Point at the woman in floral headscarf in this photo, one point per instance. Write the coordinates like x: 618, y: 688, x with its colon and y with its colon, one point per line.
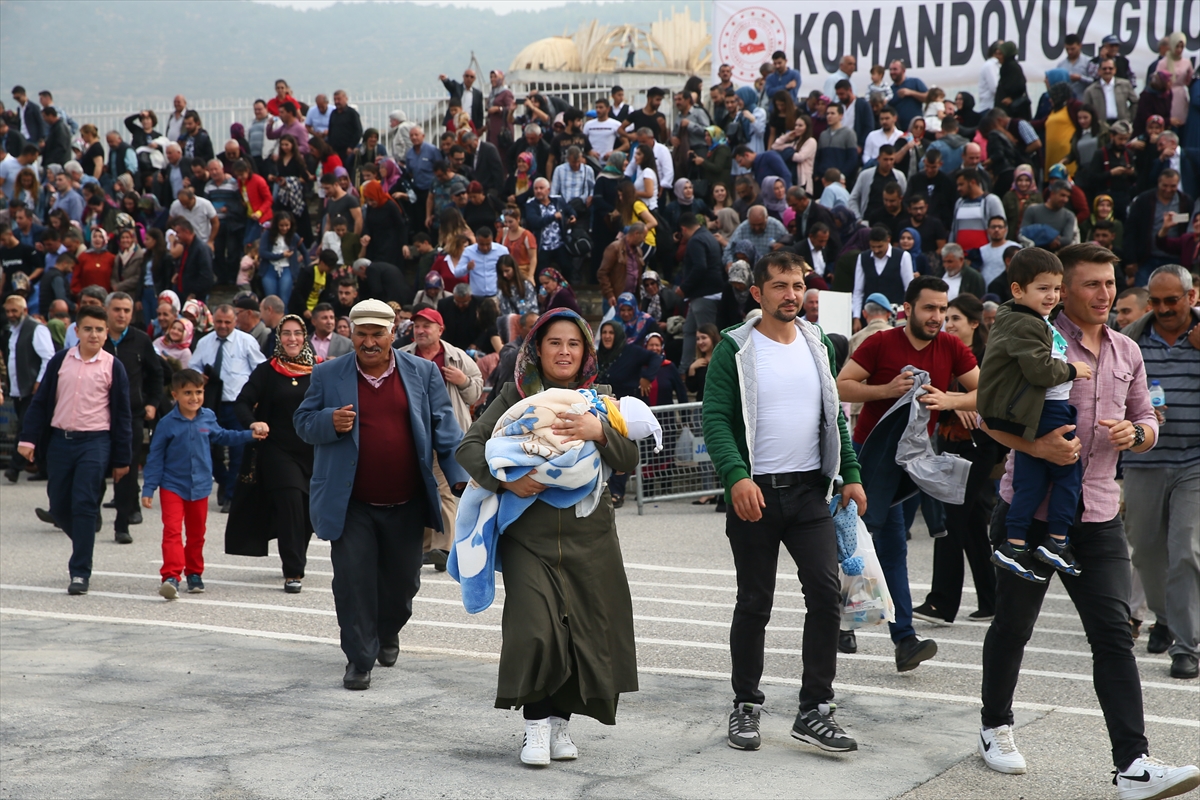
x: 1103, y: 208
x: 271, y: 498
x: 714, y: 166
x: 638, y: 324
x: 176, y: 342
x: 1024, y: 193
x: 555, y: 292
x: 568, y: 645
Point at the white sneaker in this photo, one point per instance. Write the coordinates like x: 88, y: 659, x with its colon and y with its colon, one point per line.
x: 1149, y: 779
x: 535, y: 750
x: 999, y: 750
x: 561, y: 746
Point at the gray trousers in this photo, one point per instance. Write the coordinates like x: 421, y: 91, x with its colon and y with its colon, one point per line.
x: 1162, y: 514
x: 700, y: 312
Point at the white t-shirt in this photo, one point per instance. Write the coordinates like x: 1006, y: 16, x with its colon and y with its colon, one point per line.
x: 602, y: 135
x: 787, y: 434
x: 877, y: 139
x: 1058, y: 351
x: 201, y: 215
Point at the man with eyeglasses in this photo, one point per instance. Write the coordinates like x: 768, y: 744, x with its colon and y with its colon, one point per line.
x: 1162, y: 486
x: 1113, y: 97
x: 471, y: 98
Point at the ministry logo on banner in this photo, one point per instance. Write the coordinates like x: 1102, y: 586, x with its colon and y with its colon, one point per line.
x: 747, y: 40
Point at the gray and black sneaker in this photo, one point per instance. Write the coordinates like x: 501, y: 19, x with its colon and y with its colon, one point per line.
x: 818, y: 727
x: 1058, y: 555
x: 1018, y: 562
x: 743, y: 727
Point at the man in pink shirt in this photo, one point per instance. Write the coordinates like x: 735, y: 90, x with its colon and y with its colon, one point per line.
x: 289, y: 116
x: 1114, y: 414
x: 81, y: 415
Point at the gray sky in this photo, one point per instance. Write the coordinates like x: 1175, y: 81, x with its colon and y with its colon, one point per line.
x: 498, y: 6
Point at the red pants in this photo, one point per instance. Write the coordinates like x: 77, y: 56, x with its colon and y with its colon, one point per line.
x: 175, y: 510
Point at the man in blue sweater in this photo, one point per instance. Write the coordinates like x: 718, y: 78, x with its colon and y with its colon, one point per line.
x: 762, y: 165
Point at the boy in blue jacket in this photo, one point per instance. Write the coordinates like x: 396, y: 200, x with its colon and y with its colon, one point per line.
x: 180, y: 462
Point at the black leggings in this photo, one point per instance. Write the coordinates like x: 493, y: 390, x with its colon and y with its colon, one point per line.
x: 542, y: 709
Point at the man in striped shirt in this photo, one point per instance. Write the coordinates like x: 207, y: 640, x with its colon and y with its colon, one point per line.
x: 1162, y: 486
x: 972, y: 211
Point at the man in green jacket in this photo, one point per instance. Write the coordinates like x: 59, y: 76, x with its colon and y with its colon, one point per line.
x: 777, y: 438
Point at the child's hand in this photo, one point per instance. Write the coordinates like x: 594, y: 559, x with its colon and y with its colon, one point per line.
x: 147, y: 502
x: 259, y: 429
x: 1082, y: 370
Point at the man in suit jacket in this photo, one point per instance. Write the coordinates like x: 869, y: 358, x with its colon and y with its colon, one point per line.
x: 484, y: 159
x: 858, y: 117
x: 29, y: 117
x: 1124, y: 105
x: 809, y: 213
x: 57, y: 149
x: 194, y: 271
x: 375, y: 420
x: 818, y: 250
x: 468, y: 94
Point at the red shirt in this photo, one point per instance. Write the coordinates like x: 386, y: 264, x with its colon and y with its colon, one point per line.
x: 387, y: 472
x: 887, y: 353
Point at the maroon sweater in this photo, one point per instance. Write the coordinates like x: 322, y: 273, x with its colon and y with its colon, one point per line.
x: 387, y: 471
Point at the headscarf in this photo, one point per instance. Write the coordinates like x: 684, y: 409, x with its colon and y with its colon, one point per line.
x: 635, y: 328
x: 916, y: 248
x: 524, y: 181
x: 966, y: 113
x: 858, y: 241
x: 1156, y: 118
x: 1060, y: 94
x: 718, y: 137
x: 615, y: 165
x: 1172, y: 40
x: 237, y: 132
x: 1010, y: 51
x: 768, y: 195
x: 749, y: 99
x: 653, y: 302
x: 1059, y: 173
x: 433, y: 280
x: 165, y: 347
x: 303, y: 362
x: 169, y: 296
x: 1026, y: 170
x: 1096, y: 208
x: 201, y: 315
x: 528, y: 373
x: 554, y: 275
x: 374, y: 193
x: 498, y: 88
x: 103, y: 233
x: 746, y: 248
x: 389, y: 172
x: 1057, y: 76
x: 739, y: 272
x: 607, y: 356
x: 727, y: 221
x: 678, y: 189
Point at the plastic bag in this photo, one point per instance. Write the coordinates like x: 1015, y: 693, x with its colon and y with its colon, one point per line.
x: 865, y: 598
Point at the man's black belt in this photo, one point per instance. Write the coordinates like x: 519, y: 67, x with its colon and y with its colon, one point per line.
x: 783, y: 480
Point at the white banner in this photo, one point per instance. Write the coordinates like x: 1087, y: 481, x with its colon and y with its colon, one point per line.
x: 942, y: 42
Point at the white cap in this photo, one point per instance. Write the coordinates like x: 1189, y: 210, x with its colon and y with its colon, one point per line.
x: 372, y: 312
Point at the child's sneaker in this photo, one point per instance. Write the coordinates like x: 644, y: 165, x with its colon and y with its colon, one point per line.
x: 169, y: 588
x: 195, y: 585
x: 1058, y: 555
x: 1018, y: 562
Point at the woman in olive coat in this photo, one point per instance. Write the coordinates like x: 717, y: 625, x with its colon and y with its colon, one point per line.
x: 568, y: 618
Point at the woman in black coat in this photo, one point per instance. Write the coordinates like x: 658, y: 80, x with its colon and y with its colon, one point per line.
x: 271, y: 499
x: 385, y: 228
x: 628, y: 370
x: 1011, y: 91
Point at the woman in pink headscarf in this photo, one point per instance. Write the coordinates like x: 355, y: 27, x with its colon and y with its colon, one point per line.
x: 1180, y: 71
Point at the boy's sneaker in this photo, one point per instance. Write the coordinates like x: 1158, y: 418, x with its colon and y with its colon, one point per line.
x: 1058, y: 555
x: 1019, y: 563
x: 999, y: 750
x: 169, y: 588
x: 1149, y: 779
x: 195, y: 585
x: 743, y: 727
x: 817, y: 727
x: 561, y: 746
x: 535, y: 750
x: 981, y: 616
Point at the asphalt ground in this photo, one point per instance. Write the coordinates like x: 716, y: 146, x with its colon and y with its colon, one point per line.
x: 237, y: 692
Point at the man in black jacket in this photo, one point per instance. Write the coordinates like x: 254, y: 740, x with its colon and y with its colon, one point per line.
x: 345, y: 129
x: 379, y: 280
x: 133, y: 348
x: 819, y: 250
x: 467, y: 94
x: 302, y: 301
x: 936, y: 187
x: 194, y: 272
x: 1145, y: 220
x: 58, y: 139
x: 195, y: 141
x: 535, y: 144
x: 808, y: 213
x: 702, y: 280
x: 484, y: 159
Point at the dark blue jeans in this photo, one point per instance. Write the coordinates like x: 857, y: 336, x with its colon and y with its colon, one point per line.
x: 1030, y: 476
x: 226, y: 477
x: 77, y: 464
x: 888, y: 531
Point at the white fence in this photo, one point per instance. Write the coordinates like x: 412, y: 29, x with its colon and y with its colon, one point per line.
x: 425, y: 107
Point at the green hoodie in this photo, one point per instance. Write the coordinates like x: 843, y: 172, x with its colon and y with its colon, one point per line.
x: 730, y: 416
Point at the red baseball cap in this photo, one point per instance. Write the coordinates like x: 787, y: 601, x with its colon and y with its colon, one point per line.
x: 430, y: 314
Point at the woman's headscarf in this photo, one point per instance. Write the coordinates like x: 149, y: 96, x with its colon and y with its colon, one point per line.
x: 1010, y: 51
x: 524, y: 180
x: 1057, y: 76
x: 169, y: 296
x: 200, y: 314
x: 303, y: 362
x: 554, y: 275
x: 916, y: 248
x: 858, y: 241
x: 1172, y: 40
x: 389, y: 174
x: 615, y: 166
x: 746, y: 248
x: 1096, y: 208
x: 1060, y: 93
x: 727, y: 221
x: 185, y: 343
x: 966, y: 113
x: 498, y: 88
x: 237, y: 132
x: 749, y: 97
x: 718, y: 137
x: 635, y: 328
x: 678, y: 188
x: 1026, y: 170
x: 739, y: 272
x: 528, y: 373
x: 374, y: 193
x: 103, y: 233
x: 768, y: 195
x: 607, y: 356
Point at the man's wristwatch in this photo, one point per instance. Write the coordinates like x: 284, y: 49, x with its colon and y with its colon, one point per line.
x: 1139, y: 435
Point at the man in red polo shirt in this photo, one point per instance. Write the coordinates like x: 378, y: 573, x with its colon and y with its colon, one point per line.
x: 876, y: 377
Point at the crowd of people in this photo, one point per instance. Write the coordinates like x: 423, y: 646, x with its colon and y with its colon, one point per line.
x: 323, y: 320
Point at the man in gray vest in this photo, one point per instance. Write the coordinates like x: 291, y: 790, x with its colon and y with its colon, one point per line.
x: 27, y: 348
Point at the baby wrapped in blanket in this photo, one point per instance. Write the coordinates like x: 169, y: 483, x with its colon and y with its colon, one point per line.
x: 572, y: 471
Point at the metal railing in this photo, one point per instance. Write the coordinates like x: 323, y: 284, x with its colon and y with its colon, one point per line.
x: 426, y: 107
x: 683, y: 469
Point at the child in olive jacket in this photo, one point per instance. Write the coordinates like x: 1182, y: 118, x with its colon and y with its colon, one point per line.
x: 1024, y: 384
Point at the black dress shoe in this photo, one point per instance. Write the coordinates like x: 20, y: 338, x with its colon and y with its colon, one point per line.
x: 847, y: 642
x: 436, y: 558
x: 1184, y: 666
x: 389, y: 651
x: 226, y: 506
x: 356, y: 678
x: 110, y: 504
x: 135, y: 518
x: 11, y: 474
x: 912, y: 651
x: 1160, y: 638
x: 123, y: 537
x: 45, y: 516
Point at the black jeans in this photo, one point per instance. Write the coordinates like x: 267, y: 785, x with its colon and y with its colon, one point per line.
x: 966, y: 533
x: 77, y: 464
x: 1101, y: 596
x: 376, y: 574
x: 292, y: 532
x: 127, y: 492
x: 799, y: 518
